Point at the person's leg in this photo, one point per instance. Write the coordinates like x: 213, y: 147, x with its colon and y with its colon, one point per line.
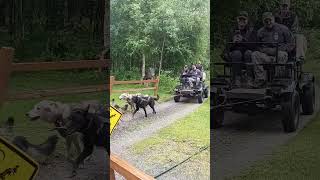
x: 301, y: 46
x: 282, y: 59
x: 236, y: 57
x: 259, y: 58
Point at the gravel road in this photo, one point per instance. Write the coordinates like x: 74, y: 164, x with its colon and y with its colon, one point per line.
x: 244, y: 140
x: 130, y: 131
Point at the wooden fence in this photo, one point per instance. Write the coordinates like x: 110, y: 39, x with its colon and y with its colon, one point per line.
x: 155, y: 88
x: 116, y: 164
x: 61, y: 65
x: 126, y: 170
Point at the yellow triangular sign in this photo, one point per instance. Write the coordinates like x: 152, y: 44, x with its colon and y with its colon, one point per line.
x: 15, y: 164
x: 115, y: 117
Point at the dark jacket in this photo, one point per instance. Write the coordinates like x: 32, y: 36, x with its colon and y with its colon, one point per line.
x: 278, y: 33
x: 248, y: 35
x: 290, y: 20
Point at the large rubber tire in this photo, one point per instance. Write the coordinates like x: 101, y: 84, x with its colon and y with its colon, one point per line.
x: 216, y: 114
x: 205, y: 93
x: 291, y: 112
x: 176, y: 98
x: 200, y: 98
x: 308, y: 100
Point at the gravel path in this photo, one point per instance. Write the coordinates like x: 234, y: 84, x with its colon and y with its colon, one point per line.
x: 58, y: 168
x: 244, y: 140
x: 130, y: 131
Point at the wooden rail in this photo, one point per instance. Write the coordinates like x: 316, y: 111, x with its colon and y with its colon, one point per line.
x: 61, y: 65
x: 6, y: 56
x: 155, y: 88
x: 126, y: 170
x: 57, y: 92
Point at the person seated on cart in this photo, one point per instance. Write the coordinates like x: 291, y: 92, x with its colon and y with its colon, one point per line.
x: 242, y: 37
x: 286, y: 16
x: 184, y: 74
x: 194, y: 75
x: 271, y: 33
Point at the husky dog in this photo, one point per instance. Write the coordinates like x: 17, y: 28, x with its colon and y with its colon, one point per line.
x: 56, y: 113
x: 143, y: 102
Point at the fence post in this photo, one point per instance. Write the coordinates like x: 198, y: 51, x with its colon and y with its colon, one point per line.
x: 112, y: 79
x: 156, y: 86
x: 112, y: 174
x: 6, y: 56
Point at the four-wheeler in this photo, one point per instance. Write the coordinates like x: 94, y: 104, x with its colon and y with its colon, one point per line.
x: 287, y: 91
x: 196, y: 89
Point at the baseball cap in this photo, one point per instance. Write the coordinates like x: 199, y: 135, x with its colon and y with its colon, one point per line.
x: 287, y: 2
x: 267, y: 15
x: 243, y: 14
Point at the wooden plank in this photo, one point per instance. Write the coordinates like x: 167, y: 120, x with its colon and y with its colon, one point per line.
x: 134, y: 82
x: 61, y: 65
x: 6, y: 56
x: 112, y: 175
x: 58, y: 92
x: 133, y: 90
x: 126, y: 170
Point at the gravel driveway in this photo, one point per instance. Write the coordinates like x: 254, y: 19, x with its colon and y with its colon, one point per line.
x: 244, y: 140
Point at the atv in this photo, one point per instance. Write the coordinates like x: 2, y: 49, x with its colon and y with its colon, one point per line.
x: 285, y: 92
x: 191, y: 89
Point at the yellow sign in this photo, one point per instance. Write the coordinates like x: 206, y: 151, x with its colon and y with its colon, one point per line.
x: 15, y: 164
x: 115, y: 117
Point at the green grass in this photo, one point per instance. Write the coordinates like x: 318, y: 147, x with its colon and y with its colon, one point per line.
x: 54, y: 79
x: 300, y: 157
x: 185, y: 136
x: 177, y: 142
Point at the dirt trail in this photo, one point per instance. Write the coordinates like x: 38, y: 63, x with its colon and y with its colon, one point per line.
x: 130, y: 131
x: 244, y: 140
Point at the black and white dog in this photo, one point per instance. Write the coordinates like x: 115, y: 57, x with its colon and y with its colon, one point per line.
x: 143, y: 102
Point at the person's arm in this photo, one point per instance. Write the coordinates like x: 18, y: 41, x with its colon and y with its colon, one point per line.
x: 288, y: 45
x: 295, y: 26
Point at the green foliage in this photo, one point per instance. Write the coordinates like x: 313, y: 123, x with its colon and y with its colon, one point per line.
x: 177, y: 30
x: 223, y: 14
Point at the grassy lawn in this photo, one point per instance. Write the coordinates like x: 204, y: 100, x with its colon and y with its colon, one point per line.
x: 300, y: 157
x: 54, y: 79
x: 185, y: 137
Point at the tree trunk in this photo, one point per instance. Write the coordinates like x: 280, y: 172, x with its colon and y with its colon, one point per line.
x: 161, y: 56
x: 143, y: 69
x: 106, y: 29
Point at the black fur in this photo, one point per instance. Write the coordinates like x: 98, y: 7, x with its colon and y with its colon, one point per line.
x: 143, y: 102
x: 93, y: 127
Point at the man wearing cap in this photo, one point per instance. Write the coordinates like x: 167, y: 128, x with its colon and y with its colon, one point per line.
x: 286, y: 16
x: 271, y: 33
x: 237, y: 52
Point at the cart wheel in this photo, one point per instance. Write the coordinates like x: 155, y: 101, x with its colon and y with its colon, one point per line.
x: 308, y: 100
x: 291, y: 112
x: 217, y: 115
x: 176, y: 98
x: 206, y: 93
x: 200, y: 98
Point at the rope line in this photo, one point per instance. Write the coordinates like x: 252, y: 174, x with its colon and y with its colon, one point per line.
x: 172, y: 167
